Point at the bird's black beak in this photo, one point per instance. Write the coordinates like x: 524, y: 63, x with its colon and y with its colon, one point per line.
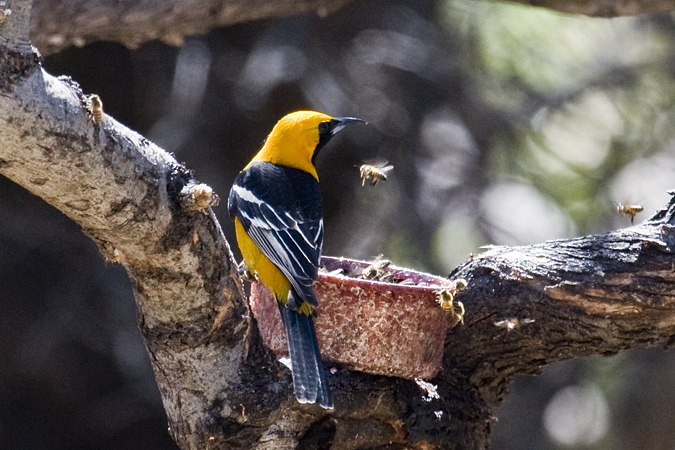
x: 329, y: 129
x: 341, y: 122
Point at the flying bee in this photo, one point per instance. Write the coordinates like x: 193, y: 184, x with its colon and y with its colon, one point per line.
x: 374, y: 171
x: 512, y: 323
x: 96, y: 109
x: 629, y: 210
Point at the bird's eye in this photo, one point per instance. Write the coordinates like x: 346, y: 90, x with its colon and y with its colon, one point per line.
x: 324, y: 127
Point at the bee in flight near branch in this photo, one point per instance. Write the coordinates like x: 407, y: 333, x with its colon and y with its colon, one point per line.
x: 629, y: 210
x: 374, y: 171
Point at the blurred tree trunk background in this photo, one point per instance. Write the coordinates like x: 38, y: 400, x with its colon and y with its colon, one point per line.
x: 506, y: 125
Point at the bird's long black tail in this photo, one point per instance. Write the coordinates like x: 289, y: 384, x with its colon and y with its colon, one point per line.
x: 309, y: 376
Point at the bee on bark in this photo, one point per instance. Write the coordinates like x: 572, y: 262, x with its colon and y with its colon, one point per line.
x: 455, y: 309
x: 374, y: 171
x: 446, y: 299
x: 95, y: 109
x: 4, y: 11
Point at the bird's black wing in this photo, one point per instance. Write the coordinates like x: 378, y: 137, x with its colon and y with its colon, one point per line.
x: 280, y: 209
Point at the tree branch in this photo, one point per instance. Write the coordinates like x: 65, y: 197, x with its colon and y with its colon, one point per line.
x: 530, y: 306
x: 58, y: 24
x: 126, y: 193
x: 63, y: 23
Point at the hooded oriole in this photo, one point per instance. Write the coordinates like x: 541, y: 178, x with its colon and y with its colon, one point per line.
x: 276, y: 205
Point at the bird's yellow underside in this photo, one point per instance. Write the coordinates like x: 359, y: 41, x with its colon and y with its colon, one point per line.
x: 266, y: 271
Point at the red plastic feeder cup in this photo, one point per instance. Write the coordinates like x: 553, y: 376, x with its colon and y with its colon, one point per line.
x: 394, y: 327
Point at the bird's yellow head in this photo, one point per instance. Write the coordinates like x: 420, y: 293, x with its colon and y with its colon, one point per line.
x: 297, y: 138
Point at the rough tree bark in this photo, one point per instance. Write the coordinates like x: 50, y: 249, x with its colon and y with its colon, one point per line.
x: 58, y: 24
x: 525, y: 307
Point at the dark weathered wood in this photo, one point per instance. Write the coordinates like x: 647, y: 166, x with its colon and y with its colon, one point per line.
x: 598, y: 294
x: 58, y: 24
